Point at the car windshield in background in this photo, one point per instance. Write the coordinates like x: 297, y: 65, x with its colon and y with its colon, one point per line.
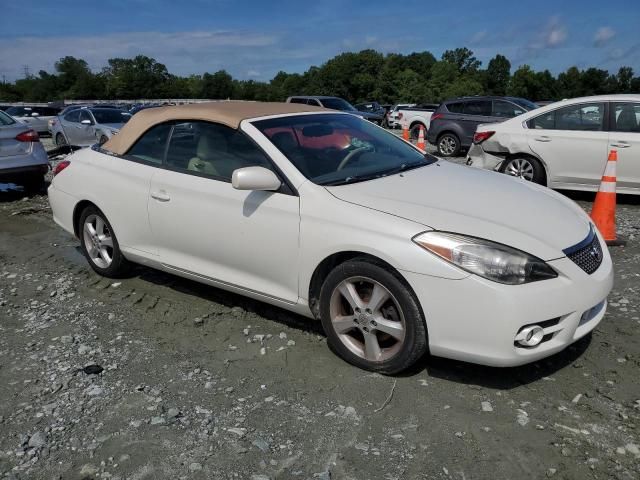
x: 6, y: 119
x: 335, y: 149
x: 110, y: 116
x: 523, y: 102
x: 338, y: 104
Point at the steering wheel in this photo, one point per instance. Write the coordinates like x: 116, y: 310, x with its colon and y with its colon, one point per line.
x: 350, y: 156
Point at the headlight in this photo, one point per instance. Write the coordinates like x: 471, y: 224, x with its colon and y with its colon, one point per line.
x: 490, y: 260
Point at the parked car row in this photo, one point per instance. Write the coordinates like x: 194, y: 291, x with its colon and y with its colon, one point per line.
x: 336, y: 103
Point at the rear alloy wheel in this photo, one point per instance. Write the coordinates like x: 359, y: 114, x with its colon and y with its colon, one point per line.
x: 448, y: 145
x: 371, y: 318
x: 100, y: 245
x: 60, y: 140
x: 526, y: 168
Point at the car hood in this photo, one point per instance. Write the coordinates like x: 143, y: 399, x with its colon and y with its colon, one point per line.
x: 448, y: 197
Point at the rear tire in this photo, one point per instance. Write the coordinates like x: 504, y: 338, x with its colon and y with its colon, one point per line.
x: 100, y: 245
x: 60, y: 140
x: 34, y: 185
x: 448, y: 145
x: 385, y: 331
x: 524, y: 167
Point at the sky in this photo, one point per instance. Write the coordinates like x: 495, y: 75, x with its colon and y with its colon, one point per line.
x: 255, y: 39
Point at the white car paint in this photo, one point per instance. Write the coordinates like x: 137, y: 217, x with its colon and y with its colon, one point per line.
x: 573, y: 159
x: 267, y: 245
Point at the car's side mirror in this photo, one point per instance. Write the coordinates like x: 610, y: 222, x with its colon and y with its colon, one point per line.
x: 86, y: 122
x: 35, y: 114
x: 255, y: 178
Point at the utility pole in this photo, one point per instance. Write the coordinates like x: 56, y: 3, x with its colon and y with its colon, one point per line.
x: 25, y: 68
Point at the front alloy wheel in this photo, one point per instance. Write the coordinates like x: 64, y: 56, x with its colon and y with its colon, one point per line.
x: 448, y: 145
x: 371, y: 317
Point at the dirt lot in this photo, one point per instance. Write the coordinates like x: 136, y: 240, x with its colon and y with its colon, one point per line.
x: 199, y: 383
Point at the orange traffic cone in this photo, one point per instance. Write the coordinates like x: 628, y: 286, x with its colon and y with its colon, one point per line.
x: 603, y: 212
x: 421, y: 145
x: 405, y: 130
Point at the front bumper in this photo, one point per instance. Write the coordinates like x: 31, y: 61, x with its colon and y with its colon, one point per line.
x: 476, y: 320
x: 478, y: 158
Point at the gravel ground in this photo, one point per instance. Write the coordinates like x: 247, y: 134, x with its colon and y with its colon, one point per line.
x: 156, y: 377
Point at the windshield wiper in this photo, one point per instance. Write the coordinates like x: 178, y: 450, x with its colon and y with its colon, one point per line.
x: 385, y: 173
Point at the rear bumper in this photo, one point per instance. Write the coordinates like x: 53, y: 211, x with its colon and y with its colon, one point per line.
x: 34, y: 162
x: 476, y: 320
x: 478, y: 158
x: 62, y: 207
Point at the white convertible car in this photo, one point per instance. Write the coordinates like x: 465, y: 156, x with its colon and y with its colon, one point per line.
x: 327, y: 215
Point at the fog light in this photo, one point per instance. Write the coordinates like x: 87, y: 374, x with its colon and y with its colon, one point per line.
x: 530, y: 336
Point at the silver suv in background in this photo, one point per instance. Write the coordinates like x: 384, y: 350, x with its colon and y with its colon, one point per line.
x: 36, y: 117
x: 336, y: 103
x: 23, y: 159
x: 86, y: 126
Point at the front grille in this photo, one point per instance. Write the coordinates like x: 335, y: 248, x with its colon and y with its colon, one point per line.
x: 587, y: 254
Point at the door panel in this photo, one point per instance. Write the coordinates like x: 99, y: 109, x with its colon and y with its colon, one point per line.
x: 625, y: 139
x: 242, y: 238
x: 475, y: 112
x: 572, y: 143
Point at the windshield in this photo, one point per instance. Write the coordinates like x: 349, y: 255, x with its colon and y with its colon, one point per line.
x: 110, y: 116
x: 337, y: 104
x: 335, y: 149
x: 6, y: 119
x: 523, y: 102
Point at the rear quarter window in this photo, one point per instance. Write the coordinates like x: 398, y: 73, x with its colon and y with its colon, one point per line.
x: 455, y: 107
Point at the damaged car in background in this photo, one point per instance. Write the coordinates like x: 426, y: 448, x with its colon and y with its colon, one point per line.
x: 86, y: 126
x: 319, y: 212
x: 565, y: 145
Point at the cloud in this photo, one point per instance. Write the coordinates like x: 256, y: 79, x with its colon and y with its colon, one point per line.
x: 478, y: 37
x: 603, y: 35
x: 555, y: 33
x: 182, y: 52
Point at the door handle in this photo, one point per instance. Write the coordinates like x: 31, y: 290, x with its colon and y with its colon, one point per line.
x: 161, y: 196
x: 621, y: 144
x: 542, y: 139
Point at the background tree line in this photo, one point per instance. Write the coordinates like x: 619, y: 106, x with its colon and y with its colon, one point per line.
x: 363, y: 76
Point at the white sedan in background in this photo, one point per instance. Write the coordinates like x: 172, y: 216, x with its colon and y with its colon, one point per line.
x: 565, y: 145
x: 327, y: 215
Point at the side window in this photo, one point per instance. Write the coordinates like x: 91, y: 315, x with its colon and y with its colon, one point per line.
x: 212, y: 150
x: 625, y: 117
x: 314, y: 102
x: 455, y: 107
x: 298, y: 100
x: 478, y: 107
x: 73, y: 116
x: 584, y: 117
x: 84, y: 115
x: 151, y: 145
x: 504, y: 109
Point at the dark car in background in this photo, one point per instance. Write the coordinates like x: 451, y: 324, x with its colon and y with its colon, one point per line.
x: 454, y: 122
x: 335, y: 103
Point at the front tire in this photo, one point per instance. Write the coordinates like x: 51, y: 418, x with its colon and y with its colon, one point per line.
x: 103, y: 139
x: 526, y: 168
x: 448, y: 145
x: 371, y: 317
x: 100, y: 245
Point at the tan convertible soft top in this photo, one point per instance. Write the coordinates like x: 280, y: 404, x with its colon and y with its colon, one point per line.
x: 229, y: 113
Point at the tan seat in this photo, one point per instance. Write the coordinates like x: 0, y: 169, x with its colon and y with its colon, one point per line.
x: 210, y: 146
